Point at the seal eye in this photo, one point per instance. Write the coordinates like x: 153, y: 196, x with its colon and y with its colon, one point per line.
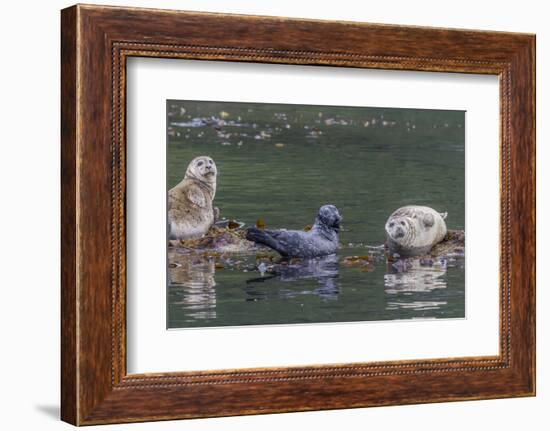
x: 200, y: 163
x: 402, y: 223
x: 210, y: 161
x: 392, y: 224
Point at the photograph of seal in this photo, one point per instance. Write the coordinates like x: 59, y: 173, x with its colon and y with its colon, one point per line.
x: 278, y: 254
x: 190, y: 209
x: 413, y: 230
x: 321, y: 240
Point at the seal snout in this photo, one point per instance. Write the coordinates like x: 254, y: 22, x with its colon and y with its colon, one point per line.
x: 396, y: 229
x: 398, y: 233
x: 336, y: 223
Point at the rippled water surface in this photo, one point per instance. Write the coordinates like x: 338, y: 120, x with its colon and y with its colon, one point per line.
x: 280, y: 163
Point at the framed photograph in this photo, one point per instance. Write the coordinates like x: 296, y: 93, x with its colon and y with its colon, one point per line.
x: 264, y: 214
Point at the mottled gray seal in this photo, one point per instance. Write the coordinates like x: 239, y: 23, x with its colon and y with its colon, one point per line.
x: 321, y: 240
x: 413, y: 230
x: 190, y: 210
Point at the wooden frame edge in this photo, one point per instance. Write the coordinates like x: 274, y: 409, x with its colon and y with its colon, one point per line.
x: 69, y: 306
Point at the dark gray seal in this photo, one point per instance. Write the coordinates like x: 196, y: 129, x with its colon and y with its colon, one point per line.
x: 321, y: 240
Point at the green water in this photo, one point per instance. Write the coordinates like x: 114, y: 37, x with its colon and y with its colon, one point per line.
x: 280, y: 163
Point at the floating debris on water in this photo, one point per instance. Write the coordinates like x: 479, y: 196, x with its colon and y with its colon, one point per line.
x: 229, y: 224
x: 279, y: 145
x: 195, y: 122
x: 280, y: 115
x: 263, y: 135
x: 339, y: 122
x: 232, y: 224
x: 314, y: 133
x: 364, y: 263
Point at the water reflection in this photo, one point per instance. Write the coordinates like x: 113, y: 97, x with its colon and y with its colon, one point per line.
x: 413, y: 286
x: 413, y: 275
x: 419, y: 284
x: 192, y: 282
x: 323, y: 269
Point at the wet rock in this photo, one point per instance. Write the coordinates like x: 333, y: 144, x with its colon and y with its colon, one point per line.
x: 219, y: 239
x: 452, y: 245
x: 448, y: 253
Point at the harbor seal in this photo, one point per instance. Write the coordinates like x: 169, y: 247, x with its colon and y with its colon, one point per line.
x: 413, y: 230
x: 190, y: 210
x: 320, y: 240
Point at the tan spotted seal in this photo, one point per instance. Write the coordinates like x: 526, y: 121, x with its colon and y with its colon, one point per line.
x: 190, y: 210
x: 413, y: 230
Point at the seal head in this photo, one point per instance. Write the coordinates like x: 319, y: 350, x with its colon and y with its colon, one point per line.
x: 203, y: 169
x: 397, y: 228
x: 328, y: 217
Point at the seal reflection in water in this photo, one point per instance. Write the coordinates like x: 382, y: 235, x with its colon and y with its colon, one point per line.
x: 414, y: 230
x: 192, y: 284
x: 409, y: 285
x: 190, y: 209
x: 324, y: 269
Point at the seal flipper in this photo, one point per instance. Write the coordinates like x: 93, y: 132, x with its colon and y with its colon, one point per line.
x: 263, y: 237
